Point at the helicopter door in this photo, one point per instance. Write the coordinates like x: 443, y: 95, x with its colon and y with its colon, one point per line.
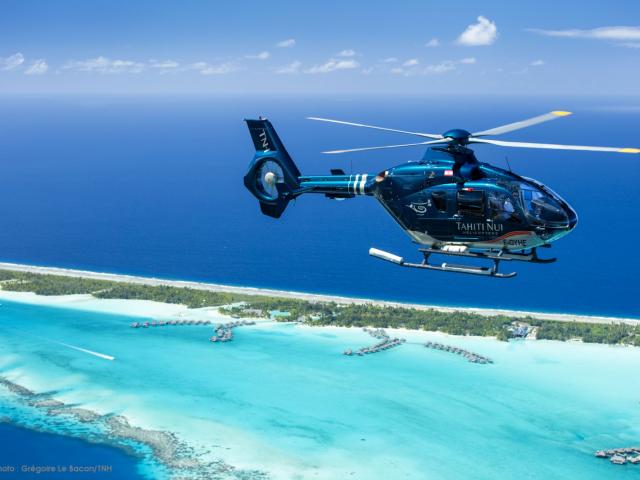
x: 440, y: 201
x: 469, y: 218
x: 437, y: 207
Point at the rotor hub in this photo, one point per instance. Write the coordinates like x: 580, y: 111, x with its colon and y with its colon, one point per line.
x: 458, y: 135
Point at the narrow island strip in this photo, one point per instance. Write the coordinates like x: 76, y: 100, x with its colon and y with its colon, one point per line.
x: 322, y: 310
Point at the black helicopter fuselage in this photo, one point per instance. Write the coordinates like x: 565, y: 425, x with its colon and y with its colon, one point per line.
x: 448, y: 202
x: 441, y: 201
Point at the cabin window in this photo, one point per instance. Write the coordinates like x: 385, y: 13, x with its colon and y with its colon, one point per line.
x: 439, y: 200
x: 471, y: 203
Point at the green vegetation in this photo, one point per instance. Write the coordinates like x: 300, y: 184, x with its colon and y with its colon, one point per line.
x: 456, y: 323
x: 323, y: 313
x: 49, y: 284
x: 298, y: 309
x: 42, y: 284
x: 589, y: 332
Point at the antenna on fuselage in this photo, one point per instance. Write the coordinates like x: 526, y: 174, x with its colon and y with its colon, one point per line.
x: 508, y: 164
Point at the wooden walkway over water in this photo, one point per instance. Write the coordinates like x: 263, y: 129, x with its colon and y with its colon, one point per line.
x: 386, y: 342
x: 621, y: 456
x: 470, y: 356
x: 222, y: 333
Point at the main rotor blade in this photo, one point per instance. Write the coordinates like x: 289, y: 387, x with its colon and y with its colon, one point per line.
x: 523, y: 123
x: 430, y: 142
x: 419, y: 134
x: 552, y: 146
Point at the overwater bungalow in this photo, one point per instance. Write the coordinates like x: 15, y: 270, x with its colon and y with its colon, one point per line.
x: 386, y: 343
x: 618, y: 459
x: 470, y: 356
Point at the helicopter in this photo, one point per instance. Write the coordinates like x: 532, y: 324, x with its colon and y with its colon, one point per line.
x: 448, y: 202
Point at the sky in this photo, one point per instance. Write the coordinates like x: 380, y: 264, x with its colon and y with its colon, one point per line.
x: 253, y: 47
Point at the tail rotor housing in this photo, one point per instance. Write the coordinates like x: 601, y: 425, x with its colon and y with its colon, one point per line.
x: 272, y: 177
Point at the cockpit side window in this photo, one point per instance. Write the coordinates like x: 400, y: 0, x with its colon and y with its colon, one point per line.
x: 471, y: 203
x: 502, y: 208
x: 439, y: 200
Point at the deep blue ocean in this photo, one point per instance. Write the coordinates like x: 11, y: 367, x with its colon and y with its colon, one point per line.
x: 29, y: 454
x: 153, y: 186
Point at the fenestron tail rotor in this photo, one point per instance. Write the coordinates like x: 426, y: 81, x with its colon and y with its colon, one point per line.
x: 268, y: 176
x: 460, y: 138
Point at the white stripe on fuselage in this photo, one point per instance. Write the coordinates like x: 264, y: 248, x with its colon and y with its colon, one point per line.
x: 358, y: 183
x: 362, y: 182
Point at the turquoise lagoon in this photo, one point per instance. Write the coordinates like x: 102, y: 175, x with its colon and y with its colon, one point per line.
x: 281, y: 399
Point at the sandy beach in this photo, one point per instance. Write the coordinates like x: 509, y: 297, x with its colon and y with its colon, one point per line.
x: 311, y: 297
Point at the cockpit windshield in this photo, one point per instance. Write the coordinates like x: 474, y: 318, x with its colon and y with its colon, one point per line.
x: 542, y: 207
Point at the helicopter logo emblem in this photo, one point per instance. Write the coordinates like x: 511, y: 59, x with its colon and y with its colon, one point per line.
x: 420, y: 208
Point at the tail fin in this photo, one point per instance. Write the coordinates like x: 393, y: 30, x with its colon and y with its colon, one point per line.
x: 272, y: 177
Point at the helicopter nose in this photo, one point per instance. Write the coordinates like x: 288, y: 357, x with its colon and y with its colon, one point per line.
x: 572, y: 216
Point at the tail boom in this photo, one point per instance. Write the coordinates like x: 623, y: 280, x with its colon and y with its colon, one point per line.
x: 274, y: 179
x: 338, y: 186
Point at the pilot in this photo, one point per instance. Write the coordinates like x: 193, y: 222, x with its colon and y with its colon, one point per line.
x: 503, y: 209
x: 507, y: 206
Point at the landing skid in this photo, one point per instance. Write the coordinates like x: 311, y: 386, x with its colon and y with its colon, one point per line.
x: 494, y: 255
x: 531, y: 256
